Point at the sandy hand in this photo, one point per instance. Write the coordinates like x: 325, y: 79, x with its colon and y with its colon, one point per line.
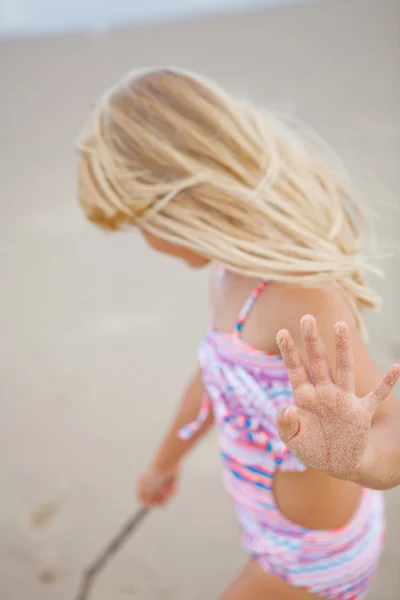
x: 328, y: 426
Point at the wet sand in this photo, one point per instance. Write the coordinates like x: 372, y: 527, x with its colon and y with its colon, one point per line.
x: 98, y: 334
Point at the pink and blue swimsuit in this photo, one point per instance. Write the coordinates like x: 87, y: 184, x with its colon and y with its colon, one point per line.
x: 245, y: 389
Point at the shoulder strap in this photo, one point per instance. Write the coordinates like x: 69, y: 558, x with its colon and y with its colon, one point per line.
x: 248, y: 305
x: 219, y: 273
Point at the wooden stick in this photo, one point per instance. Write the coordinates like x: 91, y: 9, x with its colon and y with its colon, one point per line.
x: 92, y: 572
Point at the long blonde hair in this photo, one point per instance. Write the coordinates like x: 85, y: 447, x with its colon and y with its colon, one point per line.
x: 177, y: 155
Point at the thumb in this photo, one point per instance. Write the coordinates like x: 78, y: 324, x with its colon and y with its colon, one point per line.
x: 288, y: 423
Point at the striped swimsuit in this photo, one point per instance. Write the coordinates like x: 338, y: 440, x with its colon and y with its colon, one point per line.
x: 245, y: 389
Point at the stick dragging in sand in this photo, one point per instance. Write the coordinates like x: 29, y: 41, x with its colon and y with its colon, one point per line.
x: 93, y: 571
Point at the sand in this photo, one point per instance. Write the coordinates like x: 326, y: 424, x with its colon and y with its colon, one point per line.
x: 98, y: 334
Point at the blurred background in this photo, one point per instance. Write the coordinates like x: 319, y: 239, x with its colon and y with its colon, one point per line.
x: 98, y: 335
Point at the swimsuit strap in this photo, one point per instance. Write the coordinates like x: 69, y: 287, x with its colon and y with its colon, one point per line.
x: 219, y: 273
x: 248, y: 305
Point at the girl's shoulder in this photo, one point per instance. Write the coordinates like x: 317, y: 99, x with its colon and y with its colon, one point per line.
x: 267, y: 309
x: 281, y: 306
x: 289, y: 303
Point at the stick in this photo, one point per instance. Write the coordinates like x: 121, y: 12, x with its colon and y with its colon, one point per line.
x: 92, y: 572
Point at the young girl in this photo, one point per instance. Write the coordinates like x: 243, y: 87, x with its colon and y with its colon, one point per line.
x: 305, y: 426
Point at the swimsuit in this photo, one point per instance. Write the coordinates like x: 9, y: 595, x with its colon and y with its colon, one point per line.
x: 245, y: 387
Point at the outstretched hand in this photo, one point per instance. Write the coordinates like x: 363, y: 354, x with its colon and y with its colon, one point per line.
x: 328, y: 426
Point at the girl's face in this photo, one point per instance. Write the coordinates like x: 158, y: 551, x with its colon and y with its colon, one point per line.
x: 191, y: 258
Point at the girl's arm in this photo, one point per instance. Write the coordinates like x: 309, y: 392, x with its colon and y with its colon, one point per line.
x: 346, y: 421
x: 172, y: 449
x: 159, y: 480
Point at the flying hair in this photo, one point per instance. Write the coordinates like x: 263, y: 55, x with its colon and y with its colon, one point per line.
x: 176, y: 155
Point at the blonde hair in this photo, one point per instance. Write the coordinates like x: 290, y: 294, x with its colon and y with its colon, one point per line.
x: 177, y: 155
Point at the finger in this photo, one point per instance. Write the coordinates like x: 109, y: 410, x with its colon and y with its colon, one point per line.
x: 156, y: 499
x: 147, y: 500
x: 344, y: 358
x: 288, y: 423
x: 167, y: 493
x: 316, y: 351
x: 384, y: 388
x: 296, y: 368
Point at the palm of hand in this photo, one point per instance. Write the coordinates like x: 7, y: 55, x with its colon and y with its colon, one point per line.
x: 328, y: 426
x: 334, y: 426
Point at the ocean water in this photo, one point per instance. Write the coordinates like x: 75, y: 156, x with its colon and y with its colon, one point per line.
x: 49, y: 17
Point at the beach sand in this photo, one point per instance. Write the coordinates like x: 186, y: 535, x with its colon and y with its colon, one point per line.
x: 98, y: 335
